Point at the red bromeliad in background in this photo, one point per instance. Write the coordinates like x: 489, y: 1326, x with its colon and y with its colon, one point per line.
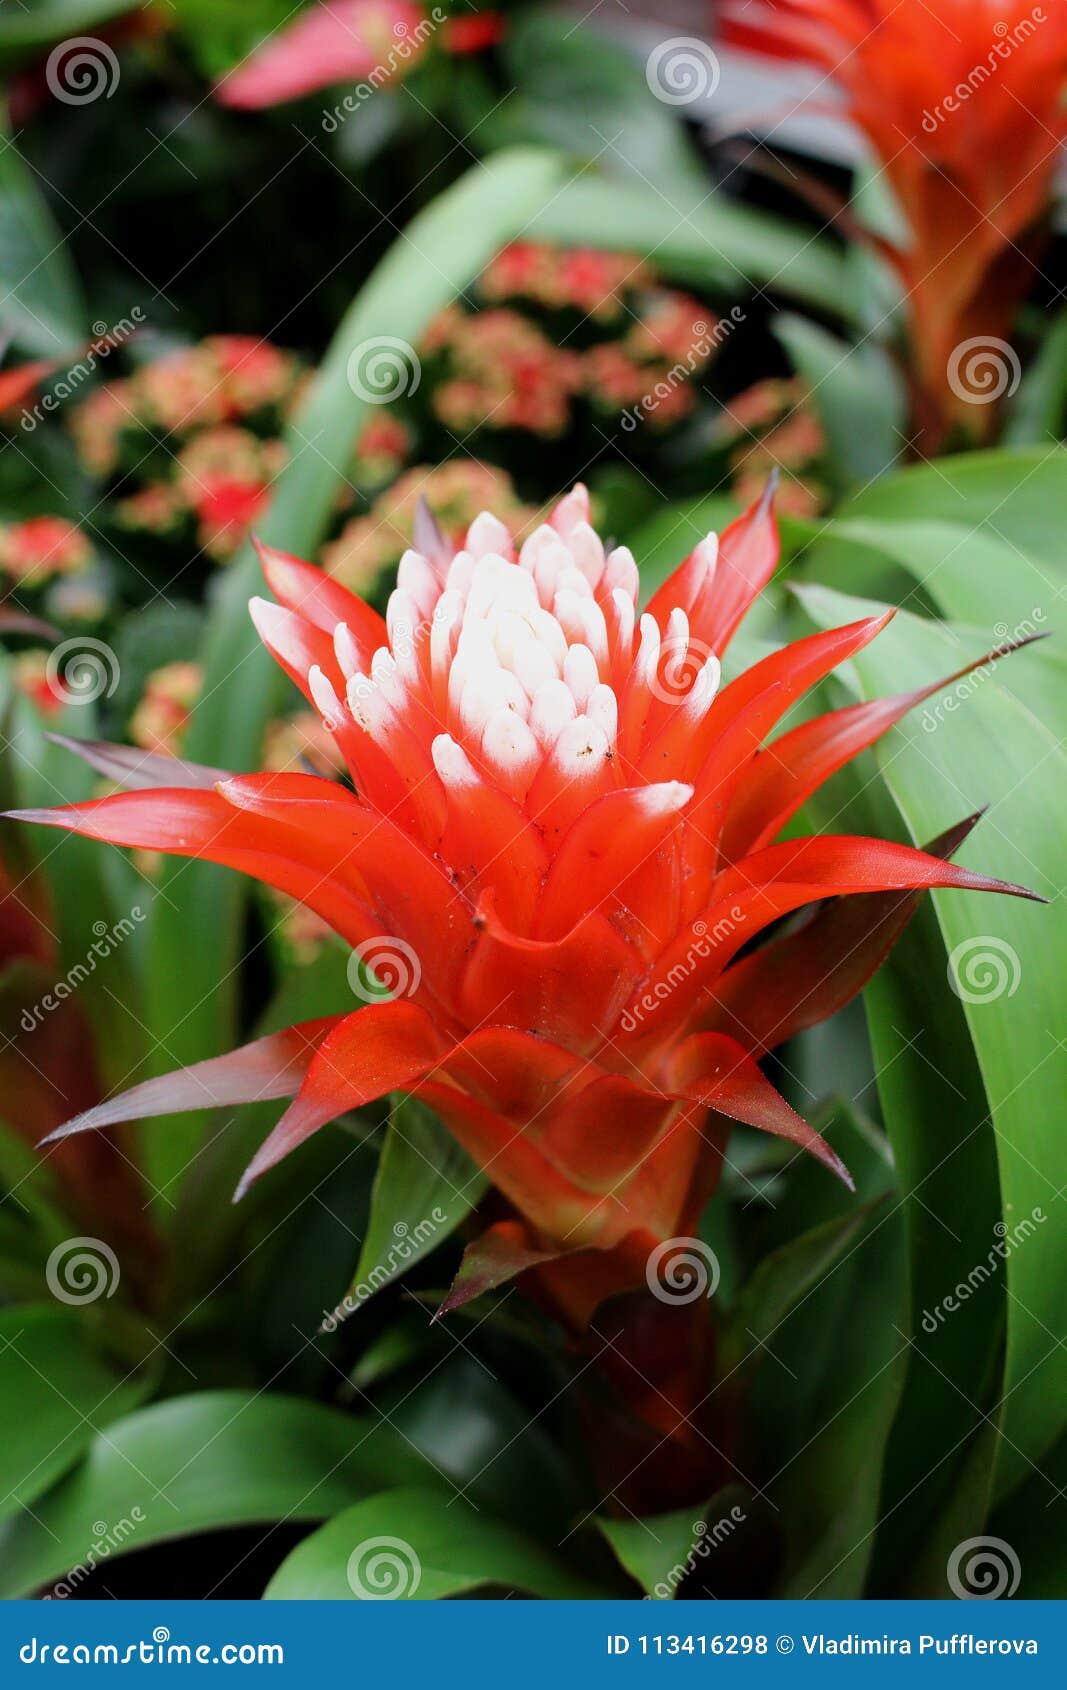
x: 561, y: 839
x: 372, y: 41
x: 963, y: 105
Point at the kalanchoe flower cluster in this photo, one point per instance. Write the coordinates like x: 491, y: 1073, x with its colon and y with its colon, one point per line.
x: 963, y: 106
x: 563, y: 827
x: 454, y: 493
x: 165, y: 708
x: 606, y: 333
x: 192, y: 441
x: 772, y: 426
x: 35, y: 551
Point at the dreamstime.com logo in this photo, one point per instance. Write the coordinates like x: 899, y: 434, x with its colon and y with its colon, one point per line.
x: 984, y: 968
x: 409, y: 1242
x: 1007, y: 42
x: 106, y: 1539
x: 983, y: 1569
x: 82, y: 670
x: 934, y: 713
x: 158, y: 1650
x: 682, y: 1270
x: 1009, y: 1240
x: 682, y: 70
x: 80, y: 70
x: 105, y: 340
x: 983, y: 369
x: 381, y: 1569
x: 703, y: 346
x: 108, y: 939
x: 707, y: 1540
x: 409, y: 41
x: 82, y: 1270
x: 705, y: 941
x: 383, y: 368
x: 393, y: 964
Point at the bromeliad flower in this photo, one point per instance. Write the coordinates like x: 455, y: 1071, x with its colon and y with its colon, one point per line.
x: 963, y: 105
x: 561, y: 841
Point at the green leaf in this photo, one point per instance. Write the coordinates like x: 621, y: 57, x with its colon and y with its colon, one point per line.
x: 221, y: 1458
x: 1006, y: 959
x: 57, y: 1393
x: 465, y: 1422
x: 1014, y: 496
x: 708, y: 241
x: 425, y: 1186
x: 408, y: 1544
x: 858, y: 394
x: 785, y: 1278
x: 26, y: 31
x: 589, y: 96
x: 827, y: 1389
x: 660, y: 1549
x: 1037, y: 412
x: 980, y: 579
x: 193, y: 1009
x: 40, y: 297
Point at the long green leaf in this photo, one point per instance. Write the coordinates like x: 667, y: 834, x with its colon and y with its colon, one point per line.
x: 197, y: 1463
x: 416, y: 1544
x: 711, y: 241
x: 40, y: 297
x: 424, y: 1187
x: 25, y: 31
x: 1006, y: 962
x: 56, y: 1395
x: 858, y: 394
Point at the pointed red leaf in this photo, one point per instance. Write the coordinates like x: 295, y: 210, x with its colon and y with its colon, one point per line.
x: 712, y: 1069
x: 500, y: 1254
x: 269, y: 1067
x: 379, y: 1049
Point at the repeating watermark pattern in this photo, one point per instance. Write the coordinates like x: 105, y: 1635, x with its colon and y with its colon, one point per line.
x: 382, y: 369
x: 105, y: 1540
x: 983, y: 1569
x: 82, y: 670
x: 392, y: 962
x: 1027, y: 629
x: 984, y: 968
x: 1007, y: 41
x: 707, y: 340
x: 81, y: 70
x: 106, y: 339
x: 681, y: 674
x: 107, y: 940
x: 682, y: 70
x: 705, y: 940
x: 707, y: 1539
x: 82, y: 1270
x: 1008, y: 1240
x: 409, y: 1242
x: 682, y: 1270
x: 983, y: 369
x: 381, y: 1569
x: 409, y: 42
